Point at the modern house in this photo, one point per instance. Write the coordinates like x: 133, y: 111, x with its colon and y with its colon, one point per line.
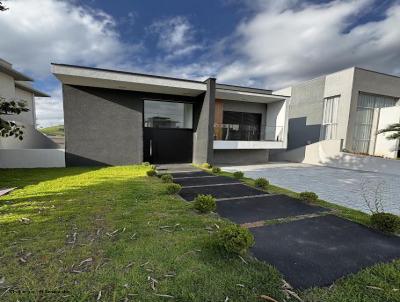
x: 115, y: 118
x: 342, y: 111
x: 35, y: 145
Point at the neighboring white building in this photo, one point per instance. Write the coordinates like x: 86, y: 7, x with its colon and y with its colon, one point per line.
x: 36, y: 149
x: 342, y: 111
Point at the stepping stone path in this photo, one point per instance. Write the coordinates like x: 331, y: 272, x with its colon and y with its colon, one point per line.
x: 306, y: 243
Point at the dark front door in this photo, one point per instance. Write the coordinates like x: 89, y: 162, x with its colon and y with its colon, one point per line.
x: 167, y: 146
x: 167, y: 132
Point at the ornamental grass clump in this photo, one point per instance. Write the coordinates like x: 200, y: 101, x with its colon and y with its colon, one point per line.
x: 234, y: 239
x: 151, y: 172
x: 205, y: 203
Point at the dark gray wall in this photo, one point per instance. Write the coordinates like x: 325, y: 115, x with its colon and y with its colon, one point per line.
x: 238, y: 157
x: 305, y: 113
x: 203, y: 136
x: 102, y: 126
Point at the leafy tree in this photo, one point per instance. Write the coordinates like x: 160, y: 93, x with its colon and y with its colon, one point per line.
x: 2, y: 7
x: 9, y: 128
x: 392, y: 128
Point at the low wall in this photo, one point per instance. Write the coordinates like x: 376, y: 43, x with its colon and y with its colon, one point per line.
x: 327, y: 153
x: 32, y: 158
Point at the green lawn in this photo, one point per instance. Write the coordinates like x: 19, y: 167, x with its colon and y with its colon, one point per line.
x: 53, y: 130
x: 82, y: 234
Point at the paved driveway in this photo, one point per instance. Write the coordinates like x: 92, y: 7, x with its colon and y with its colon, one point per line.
x: 340, y: 186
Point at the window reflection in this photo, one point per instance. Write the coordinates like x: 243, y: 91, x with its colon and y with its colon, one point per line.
x: 158, y: 114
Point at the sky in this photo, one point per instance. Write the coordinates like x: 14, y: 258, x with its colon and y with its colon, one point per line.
x: 260, y: 43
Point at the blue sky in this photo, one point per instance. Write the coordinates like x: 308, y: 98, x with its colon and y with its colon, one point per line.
x: 260, y: 43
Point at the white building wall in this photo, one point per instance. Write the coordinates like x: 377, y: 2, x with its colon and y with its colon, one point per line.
x: 7, y: 87
x: 29, y: 99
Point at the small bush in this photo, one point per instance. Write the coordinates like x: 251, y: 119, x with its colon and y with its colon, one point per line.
x: 238, y: 174
x: 234, y: 239
x: 151, y: 172
x: 146, y: 163
x: 261, y: 183
x: 216, y: 170
x: 173, y: 188
x: 308, y: 196
x: 166, y: 178
x: 385, y: 222
x: 205, y: 203
x: 153, y: 167
x: 206, y: 166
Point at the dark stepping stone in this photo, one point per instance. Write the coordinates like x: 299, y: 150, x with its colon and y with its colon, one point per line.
x: 254, y: 209
x: 190, y: 174
x: 224, y: 191
x: 198, y: 181
x: 317, y: 251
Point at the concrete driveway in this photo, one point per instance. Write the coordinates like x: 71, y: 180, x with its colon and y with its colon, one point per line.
x: 340, y: 186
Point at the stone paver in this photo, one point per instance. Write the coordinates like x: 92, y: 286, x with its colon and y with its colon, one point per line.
x: 340, y: 186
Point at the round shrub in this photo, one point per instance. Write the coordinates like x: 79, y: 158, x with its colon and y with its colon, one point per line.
x: 308, y: 196
x: 166, y: 178
x: 261, y: 183
x: 238, y: 174
x: 173, y: 188
x: 206, y: 166
x: 151, y: 172
x: 385, y: 222
x: 216, y: 170
x: 146, y: 163
x: 234, y: 239
x: 205, y: 203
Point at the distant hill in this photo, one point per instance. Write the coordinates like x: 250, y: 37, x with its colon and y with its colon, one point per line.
x: 53, y: 130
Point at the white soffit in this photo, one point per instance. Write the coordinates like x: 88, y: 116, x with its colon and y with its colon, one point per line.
x: 245, y: 96
x: 91, y: 77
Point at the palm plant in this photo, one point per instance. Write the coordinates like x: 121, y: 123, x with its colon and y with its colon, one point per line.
x: 392, y: 128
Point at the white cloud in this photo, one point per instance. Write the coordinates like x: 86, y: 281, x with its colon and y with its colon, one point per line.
x: 36, y: 33
x: 289, y: 41
x: 175, y: 36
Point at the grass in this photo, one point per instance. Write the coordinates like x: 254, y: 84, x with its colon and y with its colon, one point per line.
x: 53, y: 130
x: 128, y: 233
x: 110, y: 233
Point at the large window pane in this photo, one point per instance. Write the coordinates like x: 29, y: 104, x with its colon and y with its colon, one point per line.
x: 241, y: 126
x: 364, y: 118
x: 329, y: 119
x: 158, y: 114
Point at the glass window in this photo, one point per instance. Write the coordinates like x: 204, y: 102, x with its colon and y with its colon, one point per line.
x: 364, y: 119
x: 241, y: 126
x: 329, y: 119
x: 158, y: 114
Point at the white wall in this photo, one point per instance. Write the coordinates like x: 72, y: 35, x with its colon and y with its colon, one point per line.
x: 275, y: 120
x: 28, y: 97
x: 32, y: 158
x: 383, y: 146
